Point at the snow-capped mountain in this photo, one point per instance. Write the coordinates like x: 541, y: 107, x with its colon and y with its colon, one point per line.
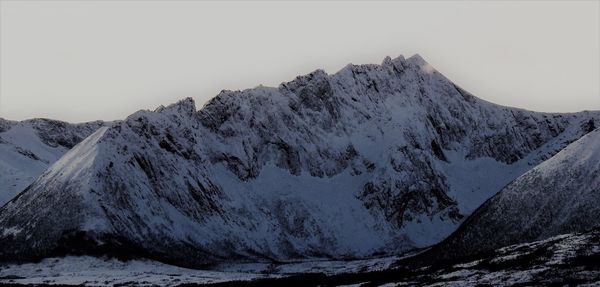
x: 374, y: 159
x: 29, y: 147
x: 560, y: 195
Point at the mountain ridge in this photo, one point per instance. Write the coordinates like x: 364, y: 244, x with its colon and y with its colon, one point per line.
x: 370, y: 160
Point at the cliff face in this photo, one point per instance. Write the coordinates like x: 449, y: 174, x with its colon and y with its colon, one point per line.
x: 375, y: 159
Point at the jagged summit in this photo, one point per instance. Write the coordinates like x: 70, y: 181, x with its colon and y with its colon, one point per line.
x: 399, y: 64
x: 386, y: 60
x: 417, y: 59
x: 185, y: 106
x: 374, y: 159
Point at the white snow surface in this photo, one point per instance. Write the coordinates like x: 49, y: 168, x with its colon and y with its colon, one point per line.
x: 94, y: 271
x: 17, y: 170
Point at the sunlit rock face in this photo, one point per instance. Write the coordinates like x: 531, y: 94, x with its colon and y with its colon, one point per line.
x: 371, y: 160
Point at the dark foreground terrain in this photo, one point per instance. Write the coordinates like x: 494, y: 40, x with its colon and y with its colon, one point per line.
x: 572, y: 259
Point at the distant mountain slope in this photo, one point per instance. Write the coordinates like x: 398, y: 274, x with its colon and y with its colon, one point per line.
x: 375, y: 159
x: 561, y: 195
x: 27, y: 148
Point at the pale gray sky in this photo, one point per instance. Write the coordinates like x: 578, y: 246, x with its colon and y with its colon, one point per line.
x: 87, y: 60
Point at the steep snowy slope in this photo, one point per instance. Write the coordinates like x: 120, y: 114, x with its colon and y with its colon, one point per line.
x: 373, y: 159
x: 561, y: 195
x: 28, y: 148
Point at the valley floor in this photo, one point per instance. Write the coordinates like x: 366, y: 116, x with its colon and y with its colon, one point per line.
x: 110, y: 272
x: 565, y: 260
x: 572, y: 259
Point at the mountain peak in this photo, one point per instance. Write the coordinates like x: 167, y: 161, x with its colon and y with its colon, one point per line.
x: 369, y: 160
x: 389, y: 61
x: 386, y: 61
x: 423, y: 65
x: 417, y: 59
x: 186, y: 106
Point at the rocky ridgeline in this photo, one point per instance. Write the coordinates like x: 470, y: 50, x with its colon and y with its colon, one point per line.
x: 374, y: 159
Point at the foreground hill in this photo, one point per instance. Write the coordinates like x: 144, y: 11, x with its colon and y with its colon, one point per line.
x: 561, y: 195
x: 375, y: 159
x: 29, y: 147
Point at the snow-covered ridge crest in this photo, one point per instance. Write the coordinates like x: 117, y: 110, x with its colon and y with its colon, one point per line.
x: 77, y: 160
x: 374, y: 159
